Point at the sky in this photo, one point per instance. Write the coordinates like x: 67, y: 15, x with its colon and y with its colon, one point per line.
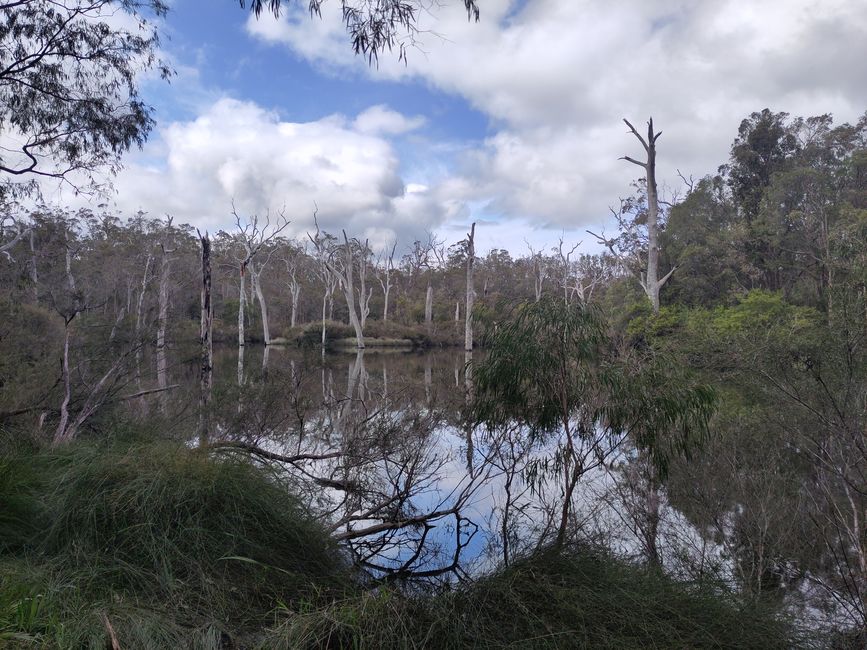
x: 514, y: 122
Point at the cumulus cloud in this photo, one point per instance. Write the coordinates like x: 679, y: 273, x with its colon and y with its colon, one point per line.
x: 555, y: 78
x: 381, y: 120
x: 238, y: 151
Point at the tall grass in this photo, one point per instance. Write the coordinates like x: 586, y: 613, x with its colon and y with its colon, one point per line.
x: 573, y: 599
x: 172, y: 548
x: 165, y: 547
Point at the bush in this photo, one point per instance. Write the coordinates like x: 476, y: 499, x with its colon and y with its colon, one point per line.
x: 171, y: 545
x: 579, y: 599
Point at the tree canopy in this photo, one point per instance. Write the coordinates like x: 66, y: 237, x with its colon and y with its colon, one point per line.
x: 69, y: 87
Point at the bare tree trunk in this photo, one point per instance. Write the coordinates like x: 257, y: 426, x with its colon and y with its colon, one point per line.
x: 138, y: 311
x: 384, y: 277
x: 117, y: 321
x: 34, y: 272
x: 242, y: 298
x: 471, y: 292
x: 457, y: 312
x: 206, y: 346
x: 67, y: 390
x: 650, y: 281
x: 428, y: 304
x: 349, y: 292
x: 324, y: 306
x: 295, y: 293
x: 165, y: 269
x: 263, y: 308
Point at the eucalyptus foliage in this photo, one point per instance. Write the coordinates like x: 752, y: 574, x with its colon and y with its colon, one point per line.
x: 555, y: 369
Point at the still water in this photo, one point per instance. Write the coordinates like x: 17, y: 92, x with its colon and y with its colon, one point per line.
x: 378, y: 445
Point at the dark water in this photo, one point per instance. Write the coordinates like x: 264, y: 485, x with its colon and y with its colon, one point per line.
x: 377, y: 444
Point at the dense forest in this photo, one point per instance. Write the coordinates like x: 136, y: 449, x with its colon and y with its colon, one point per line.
x: 246, y: 439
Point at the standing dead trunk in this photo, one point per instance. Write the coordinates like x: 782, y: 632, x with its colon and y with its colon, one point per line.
x: 59, y: 436
x: 165, y: 270
x: 364, y: 295
x: 206, y: 346
x: 256, y: 283
x: 457, y: 312
x: 471, y: 292
x: 384, y: 277
x: 650, y: 281
x: 428, y: 304
x: 295, y: 293
x: 138, y: 312
x: 242, y: 299
x: 346, y: 281
x: 34, y: 271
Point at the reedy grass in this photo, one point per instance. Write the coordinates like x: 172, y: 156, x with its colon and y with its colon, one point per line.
x: 173, y: 548
x: 581, y: 598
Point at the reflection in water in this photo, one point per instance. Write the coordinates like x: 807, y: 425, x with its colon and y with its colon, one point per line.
x: 389, y: 460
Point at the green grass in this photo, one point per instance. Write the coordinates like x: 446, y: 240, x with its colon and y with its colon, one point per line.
x: 577, y: 599
x: 175, y: 548
x: 170, y: 548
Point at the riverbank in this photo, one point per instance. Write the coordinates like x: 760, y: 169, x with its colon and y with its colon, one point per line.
x: 154, y: 544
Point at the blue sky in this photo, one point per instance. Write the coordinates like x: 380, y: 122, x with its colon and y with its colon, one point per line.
x: 514, y: 122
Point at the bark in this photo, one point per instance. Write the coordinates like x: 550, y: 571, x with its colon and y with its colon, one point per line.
x: 363, y: 294
x: 348, y: 291
x: 650, y: 281
x: 242, y: 298
x: 295, y: 294
x: 206, y: 345
x: 471, y: 292
x: 428, y: 304
x: 19, y: 235
x: 34, y: 271
x: 138, y: 309
x: 457, y: 312
x: 165, y: 270
x: 384, y: 277
x: 67, y: 392
x: 263, y: 308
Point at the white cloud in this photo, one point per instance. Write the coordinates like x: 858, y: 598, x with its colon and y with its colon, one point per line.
x: 238, y: 151
x: 555, y: 78
x: 381, y: 120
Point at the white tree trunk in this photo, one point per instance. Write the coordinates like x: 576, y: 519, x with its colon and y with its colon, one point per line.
x: 242, y: 298
x: 162, y: 381
x: 295, y: 293
x: 60, y: 435
x: 263, y: 308
x: 471, y: 292
x: 138, y: 311
x: 650, y: 281
x: 205, y: 340
x: 428, y: 305
x: 349, y: 293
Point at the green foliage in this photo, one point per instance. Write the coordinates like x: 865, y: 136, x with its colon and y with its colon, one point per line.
x: 579, y: 599
x: 555, y: 367
x: 165, y: 541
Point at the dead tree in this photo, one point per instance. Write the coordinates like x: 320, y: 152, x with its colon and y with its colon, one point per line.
x: 648, y: 276
x: 566, y: 268
x: 253, y: 237
x: 292, y: 262
x: 539, y: 270
x: 162, y: 319
x: 339, y: 260
x: 471, y: 291
x: 383, y: 271
x: 206, y: 345
x: 322, y: 243
x: 364, y: 294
